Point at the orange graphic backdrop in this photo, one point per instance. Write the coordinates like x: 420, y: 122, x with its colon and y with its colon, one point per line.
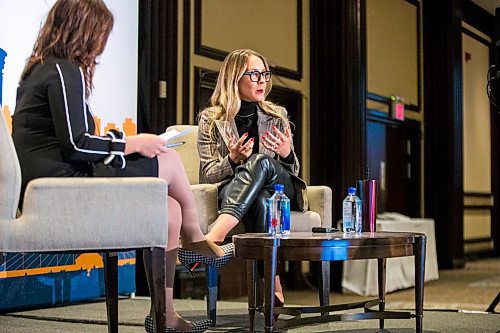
x: 87, y: 262
x: 129, y: 127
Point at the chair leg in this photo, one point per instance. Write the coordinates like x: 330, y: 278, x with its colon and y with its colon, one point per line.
x: 111, y: 289
x: 159, y: 278
x: 493, y: 304
x: 324, y: 285
x: 212, y: 289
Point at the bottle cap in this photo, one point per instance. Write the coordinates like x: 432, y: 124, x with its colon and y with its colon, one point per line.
x: 351, y: 190
x: 279, y: 187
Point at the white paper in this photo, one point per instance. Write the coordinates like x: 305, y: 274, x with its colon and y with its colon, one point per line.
x: 173, y: 134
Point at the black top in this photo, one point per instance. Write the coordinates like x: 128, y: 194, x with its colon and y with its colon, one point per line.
x: 53, y: 130
x: 246, y: 122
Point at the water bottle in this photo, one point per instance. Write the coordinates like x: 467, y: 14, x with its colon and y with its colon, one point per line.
x: 278, y: 213
x: 351, y: 212
x: 285, y: 213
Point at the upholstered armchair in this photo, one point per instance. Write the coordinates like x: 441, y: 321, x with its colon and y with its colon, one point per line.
x: 319, y: 214
x: 78, y: 215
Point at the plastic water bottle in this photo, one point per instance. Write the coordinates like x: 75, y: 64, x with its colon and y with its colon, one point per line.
x: 285, y: 213
x: 278, y: 213
x: 351, y: 212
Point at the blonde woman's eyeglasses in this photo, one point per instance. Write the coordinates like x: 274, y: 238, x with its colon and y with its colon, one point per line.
x: 256, y: 75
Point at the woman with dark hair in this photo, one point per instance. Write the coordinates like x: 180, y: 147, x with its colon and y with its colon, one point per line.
x: 53, y: 131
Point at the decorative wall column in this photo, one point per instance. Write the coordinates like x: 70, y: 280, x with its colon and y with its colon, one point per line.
x: 338, y: 96
x: 443, y: 127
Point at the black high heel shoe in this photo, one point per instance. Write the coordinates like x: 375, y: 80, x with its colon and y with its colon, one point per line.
x: 188, y: 257
x: 191, y: 267
x: 198, y: 326
x: 277, y: 304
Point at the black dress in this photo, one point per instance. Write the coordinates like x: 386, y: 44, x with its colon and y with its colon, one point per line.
x: 53, y: 130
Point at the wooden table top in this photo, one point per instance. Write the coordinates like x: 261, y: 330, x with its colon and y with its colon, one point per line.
x: 327, y: 246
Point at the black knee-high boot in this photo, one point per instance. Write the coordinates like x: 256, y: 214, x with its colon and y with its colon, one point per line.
x: 255, y: 220
x: 261, y: 172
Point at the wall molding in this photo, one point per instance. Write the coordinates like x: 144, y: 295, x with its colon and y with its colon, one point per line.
x: 483, y: 21
x: 478, y: 17
x: 387, y: 100
x: 412, y: 107
x: 478, y: 240
x: 478, y: 200
x: 475, y: 36
x: 217, y: 54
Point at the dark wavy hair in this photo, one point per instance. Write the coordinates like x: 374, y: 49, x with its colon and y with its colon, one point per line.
x: 75, y: 30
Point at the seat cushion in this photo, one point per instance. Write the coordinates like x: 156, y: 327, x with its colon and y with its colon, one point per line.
x: 299, y: 221
x: 304, y: 221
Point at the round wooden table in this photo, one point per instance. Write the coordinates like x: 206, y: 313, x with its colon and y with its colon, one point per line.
x: 308, y: 246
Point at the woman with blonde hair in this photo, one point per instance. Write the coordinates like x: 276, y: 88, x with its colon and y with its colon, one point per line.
x: 53, y: 131
x: 246, y: 147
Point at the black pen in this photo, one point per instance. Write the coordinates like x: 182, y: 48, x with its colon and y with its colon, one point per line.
x: 175, y: 144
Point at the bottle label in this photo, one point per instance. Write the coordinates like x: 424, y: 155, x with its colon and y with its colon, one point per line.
x: 359, y: 218
x: 273, y: 216
x: 285, y: 215
x: 347, y: 215
x: 278, y: 214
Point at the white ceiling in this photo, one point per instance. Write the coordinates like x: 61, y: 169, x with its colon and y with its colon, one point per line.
x: 489, y: 5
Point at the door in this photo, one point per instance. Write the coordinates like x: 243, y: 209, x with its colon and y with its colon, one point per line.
x: 393, y: 154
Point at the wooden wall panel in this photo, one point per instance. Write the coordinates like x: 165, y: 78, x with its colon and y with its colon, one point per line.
x: 225, y: 25
x: 477, y: 135
x: 392, y: 49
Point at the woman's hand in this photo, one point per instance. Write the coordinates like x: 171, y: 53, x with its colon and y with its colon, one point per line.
x: 240, y: 150
x: 148, y: 145
x: 279, y: 143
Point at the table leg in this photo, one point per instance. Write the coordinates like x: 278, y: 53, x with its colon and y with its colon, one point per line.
x: 419, y: 252
x: 324, y: 285
x: 270, y: 254
x: 211, y: 274
x: 382, y: 262
x: 252, y: 291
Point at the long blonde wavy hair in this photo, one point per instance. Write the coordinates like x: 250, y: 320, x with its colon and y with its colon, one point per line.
x: 75, y: 30
x: 225, y: 99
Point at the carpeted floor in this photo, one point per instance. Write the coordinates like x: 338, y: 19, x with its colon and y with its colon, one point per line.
x: 451, y: 304
x: 232, y: 317
x: 472, y: 288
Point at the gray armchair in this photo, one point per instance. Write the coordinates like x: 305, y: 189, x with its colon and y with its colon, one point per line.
x: 78, y: 215
x: 319, y: 214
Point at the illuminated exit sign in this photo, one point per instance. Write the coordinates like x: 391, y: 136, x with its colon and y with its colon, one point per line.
x: 397, y: 108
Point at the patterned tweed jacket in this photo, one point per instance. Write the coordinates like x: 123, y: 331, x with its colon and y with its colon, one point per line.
x: 214, y: 151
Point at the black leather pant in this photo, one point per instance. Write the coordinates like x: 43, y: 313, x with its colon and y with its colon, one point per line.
x: 245, y: 196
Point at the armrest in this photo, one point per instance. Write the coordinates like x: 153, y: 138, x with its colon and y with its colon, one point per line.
x: 320, y: 201
x: 110, y: 212
x: 206, y: 197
